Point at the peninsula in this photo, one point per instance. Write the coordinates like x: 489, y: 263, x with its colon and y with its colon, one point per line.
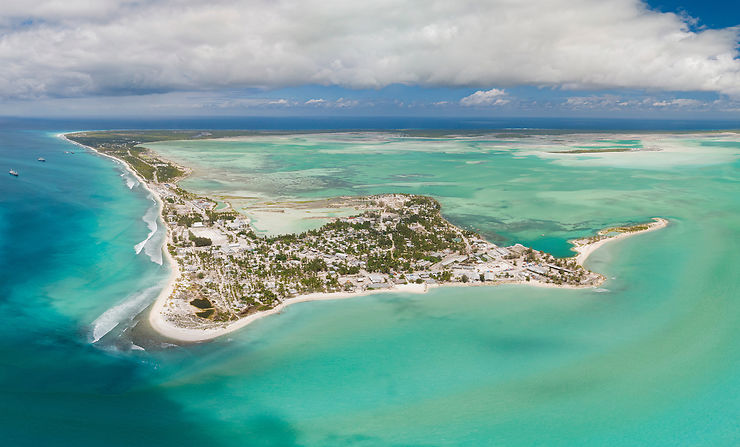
x: 224, y: 276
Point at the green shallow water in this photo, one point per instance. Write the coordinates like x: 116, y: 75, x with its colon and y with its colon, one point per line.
x: 510, y: 191
x: 651, y: 358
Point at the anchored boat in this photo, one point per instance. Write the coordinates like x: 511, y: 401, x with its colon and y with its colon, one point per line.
x: 12, y: 172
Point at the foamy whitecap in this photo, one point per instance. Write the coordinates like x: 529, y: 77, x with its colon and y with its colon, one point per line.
x: 152, y: 244
x: 153, y: 247
x: 123, y: 312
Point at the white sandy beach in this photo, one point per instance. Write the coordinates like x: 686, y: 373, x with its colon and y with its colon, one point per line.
x: 192, y: 335
x: 169, y: 330
x: 585, y: 250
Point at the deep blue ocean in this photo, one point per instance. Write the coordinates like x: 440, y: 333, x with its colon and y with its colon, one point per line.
x: 654, y: 363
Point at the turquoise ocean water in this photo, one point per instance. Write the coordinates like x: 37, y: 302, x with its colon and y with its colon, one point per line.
x: 652, y: 358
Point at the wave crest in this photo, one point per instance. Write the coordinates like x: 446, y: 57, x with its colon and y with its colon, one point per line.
x: 122, y: 312
x: 152, y: 245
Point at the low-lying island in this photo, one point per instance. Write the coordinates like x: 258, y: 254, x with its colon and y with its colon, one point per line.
x: 224, y: 276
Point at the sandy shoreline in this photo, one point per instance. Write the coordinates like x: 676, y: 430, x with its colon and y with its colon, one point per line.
x: 167, y: 329
x: 195, y: 335
x: 155, y: 320
x: 585, y: 250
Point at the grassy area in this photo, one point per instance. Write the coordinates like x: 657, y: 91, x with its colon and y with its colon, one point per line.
x: 201, y: 303
x: 629, y: 229
x: 137, y: 137
x: 205, y: 313
x: 141, y: 167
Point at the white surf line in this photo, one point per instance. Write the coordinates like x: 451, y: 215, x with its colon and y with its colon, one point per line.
x: 173, y: 266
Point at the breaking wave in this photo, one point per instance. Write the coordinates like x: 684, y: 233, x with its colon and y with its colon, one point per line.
x: 123, y: 312
x: 130, y: 180
x: 152, y: 245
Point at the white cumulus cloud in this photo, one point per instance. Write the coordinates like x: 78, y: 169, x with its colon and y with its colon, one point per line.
x: 338, y: 103
x: 83, y: 47
x: 615, y: 102
x: 491, y: 97
x: 678, y: 102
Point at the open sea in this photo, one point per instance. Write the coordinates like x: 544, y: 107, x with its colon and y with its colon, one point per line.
x: 652, y: 358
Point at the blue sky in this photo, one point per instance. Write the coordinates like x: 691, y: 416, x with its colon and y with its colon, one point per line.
x: 711, y: 13
x: 605, y: 58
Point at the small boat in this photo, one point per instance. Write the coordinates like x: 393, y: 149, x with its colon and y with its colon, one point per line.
x: 68, y: 152
x: 12, y: 172
x: 41, y: 159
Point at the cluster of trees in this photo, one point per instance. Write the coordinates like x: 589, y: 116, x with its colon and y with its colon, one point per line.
x: 187, y: 220
x: 531, y: 256
x: 315, y: 265
x: 168, y: 172
x: 199, y: 241
x: 223, y: 215
x: 140, y: 166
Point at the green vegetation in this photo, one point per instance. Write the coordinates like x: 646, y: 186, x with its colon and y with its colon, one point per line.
x: 205, y: 313
x: 630, y: 229
x: 623, y: 229
x: 199, y: 241
x: 125, y: 146
x: 122, y: 137
x: 187, y: 220
x: 202, y: 303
